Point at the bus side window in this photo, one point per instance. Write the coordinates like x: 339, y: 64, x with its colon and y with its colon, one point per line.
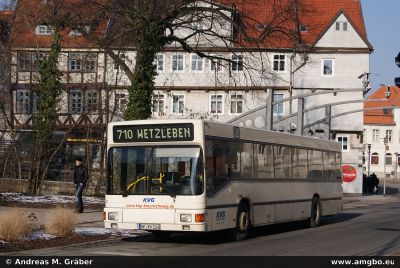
x: 315, y: 160
x: 218, y: 168
x: 264, y: 161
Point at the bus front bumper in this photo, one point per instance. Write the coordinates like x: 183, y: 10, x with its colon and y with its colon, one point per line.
x: 181, y: 227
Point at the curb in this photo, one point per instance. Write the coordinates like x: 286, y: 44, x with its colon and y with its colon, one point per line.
x: 94, y: 242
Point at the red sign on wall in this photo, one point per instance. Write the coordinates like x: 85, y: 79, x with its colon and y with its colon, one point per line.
x: 349, y: 173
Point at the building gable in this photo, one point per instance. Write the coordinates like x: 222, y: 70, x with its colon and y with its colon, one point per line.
x: 342, y: 33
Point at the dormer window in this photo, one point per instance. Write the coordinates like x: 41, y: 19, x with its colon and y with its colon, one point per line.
x: 44, y: 30
x: 75, y: 32
x: 303, y: 28
x: 261, y: 27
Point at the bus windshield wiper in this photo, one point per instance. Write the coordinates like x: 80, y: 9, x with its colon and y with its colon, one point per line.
x: 170, y: 192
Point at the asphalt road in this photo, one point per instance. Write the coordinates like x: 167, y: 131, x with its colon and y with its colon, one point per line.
x: 371, y: 229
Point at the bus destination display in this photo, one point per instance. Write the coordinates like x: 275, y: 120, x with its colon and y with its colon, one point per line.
x: 153, y: 133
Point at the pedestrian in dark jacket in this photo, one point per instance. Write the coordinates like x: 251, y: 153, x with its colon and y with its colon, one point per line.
x: 375, y: 183
x: 80, y: 179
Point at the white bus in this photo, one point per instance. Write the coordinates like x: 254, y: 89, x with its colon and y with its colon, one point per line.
x: 169, y: 176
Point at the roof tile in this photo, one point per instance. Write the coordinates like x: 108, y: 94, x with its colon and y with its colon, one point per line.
x: 382, y: 115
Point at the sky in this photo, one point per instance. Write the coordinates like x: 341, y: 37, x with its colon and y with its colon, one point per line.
x: 382, y: 23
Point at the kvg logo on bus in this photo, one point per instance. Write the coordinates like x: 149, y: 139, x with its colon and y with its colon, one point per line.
x: 220, y: 215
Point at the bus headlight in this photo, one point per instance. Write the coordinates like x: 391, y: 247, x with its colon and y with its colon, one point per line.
x: 113, y: 216
x: 186, y: 217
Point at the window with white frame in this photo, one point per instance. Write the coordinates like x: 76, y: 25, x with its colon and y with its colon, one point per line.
x: 75, y: 101
x: 237, y: 62
x: 83, y: 101
x: 278, y: 109
x: 337, y: 26
x: 216, y: 63
x: 327, y: 67
x: 178, y: 62
x: 92, y: 101
x: 388, y: 159
x: 120, y: 102
x: 279, y: 62
x: 375, y: 135
x: 389, y: 134
x: 75, y: 32
x: 158, y: 104
x: 159, y: 62
x: 24, y: 60
x: 344, y: 26
x: 37, y: 58
x: 178, y: 104
x: 44, y: 30
x: 25, y: 101
x: 216, y: 104
x: 82, y: 61
x: 236, y: 104
x: 344, y: 141
x: 29, y: 60
x: 197, y: 63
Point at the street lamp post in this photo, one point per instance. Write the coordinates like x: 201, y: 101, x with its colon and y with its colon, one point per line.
x: 369, y: 159
x: 395, y: 165
x: 385, y: 141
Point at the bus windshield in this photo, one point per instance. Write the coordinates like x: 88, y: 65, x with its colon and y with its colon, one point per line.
x: 155, y: 170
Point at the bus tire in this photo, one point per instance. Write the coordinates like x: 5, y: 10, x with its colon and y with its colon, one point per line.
x: 243, y: 223
x: 315, y: 213
x: 161, y: 235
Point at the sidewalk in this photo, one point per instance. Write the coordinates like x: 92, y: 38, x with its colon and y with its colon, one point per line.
x: 357, y: 200
x: 90, y: 218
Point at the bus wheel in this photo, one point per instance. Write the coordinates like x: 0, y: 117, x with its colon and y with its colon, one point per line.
x: 161, y: 235
x: 315, y: 213
x: 243, y: 223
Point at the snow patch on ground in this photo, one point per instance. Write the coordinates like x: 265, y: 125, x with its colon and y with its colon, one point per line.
x: 49, y: 199
x: 104, y: 231
x: 82, y: 231
x: 40, y: 234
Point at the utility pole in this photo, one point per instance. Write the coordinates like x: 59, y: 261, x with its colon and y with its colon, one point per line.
x: 269, y: 115
x: 396, y: 164
x: 385, y: 141
x: 369, y: 159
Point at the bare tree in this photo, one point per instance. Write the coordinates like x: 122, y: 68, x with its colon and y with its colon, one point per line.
x: 151, y: 26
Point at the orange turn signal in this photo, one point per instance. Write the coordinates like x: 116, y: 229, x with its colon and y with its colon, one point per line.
x: 199, y: 218
x: 104, y: 216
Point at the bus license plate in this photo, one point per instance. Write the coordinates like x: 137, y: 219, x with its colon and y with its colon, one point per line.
x: 145, y: 226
